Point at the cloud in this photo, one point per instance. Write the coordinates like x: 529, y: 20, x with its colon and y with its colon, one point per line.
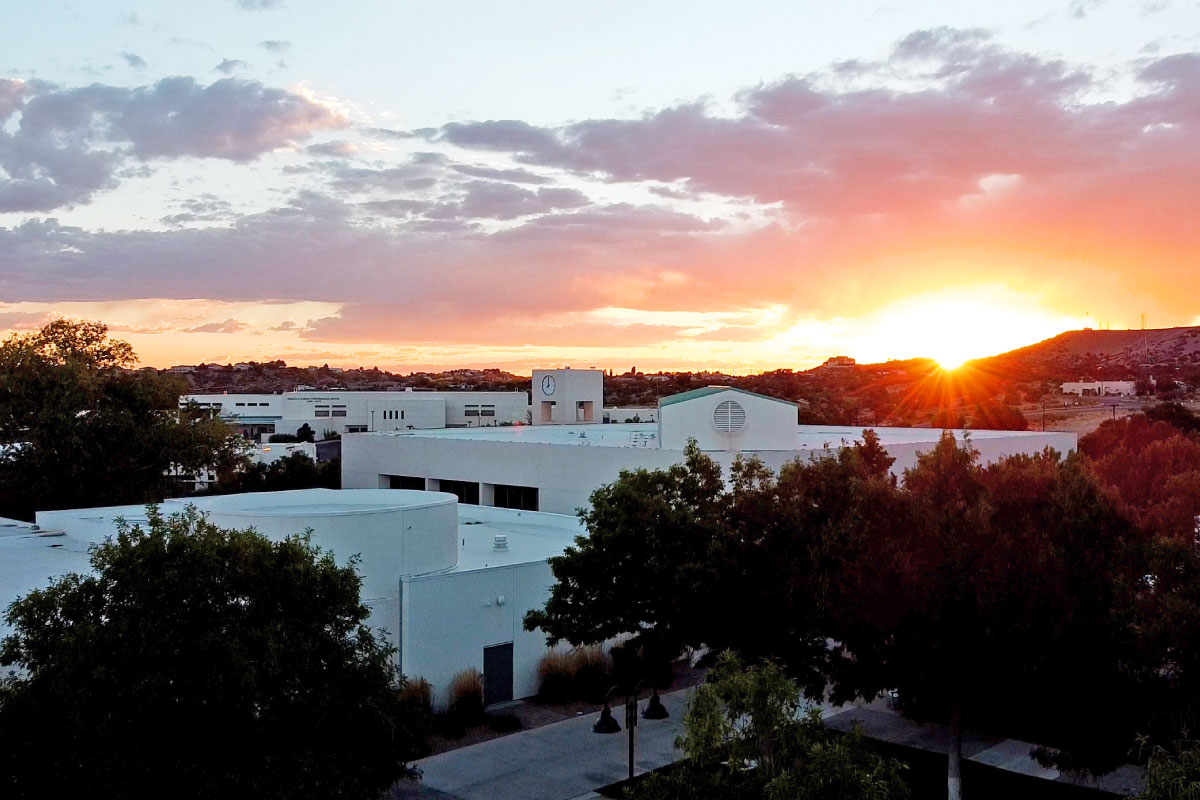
x: 276, y: 46
x: 492, y: 200
x: 134, y: 60
x: 286, y: 325
x: 336, y: 149
x: 228, y: 326
x: 71, y: 143
x: 953, y: 162
x: 228, y: 66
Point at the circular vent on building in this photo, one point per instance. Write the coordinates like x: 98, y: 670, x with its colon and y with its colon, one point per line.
x: 729, y: 416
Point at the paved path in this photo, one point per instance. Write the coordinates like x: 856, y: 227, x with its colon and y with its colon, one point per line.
x: 567, y: 761
x: 880, y: 722
x: 562, y: 761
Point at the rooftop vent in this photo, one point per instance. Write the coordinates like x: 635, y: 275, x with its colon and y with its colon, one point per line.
x: 729, y: 416
x: 500, y: 542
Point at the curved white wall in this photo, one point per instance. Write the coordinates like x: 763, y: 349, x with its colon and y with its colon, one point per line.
x: 396, y: 532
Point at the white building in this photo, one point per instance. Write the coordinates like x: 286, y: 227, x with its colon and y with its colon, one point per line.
x: 359, y: 412
x: 556, y: 468
x: 450, y: 584
x: 1101, y: 388
x: 567, y: 396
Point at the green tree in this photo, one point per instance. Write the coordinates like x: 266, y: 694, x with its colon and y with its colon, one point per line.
x: 1173, y: 774
x: 642, y: 568
x: 745, y: 737
x: 198, y: 662
x: 1006, y: 595
x: 80, y: 429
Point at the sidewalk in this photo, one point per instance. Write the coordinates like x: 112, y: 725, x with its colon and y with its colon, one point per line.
x: 562, y: 761
x: 567, y: 761
x: 1012, y: 755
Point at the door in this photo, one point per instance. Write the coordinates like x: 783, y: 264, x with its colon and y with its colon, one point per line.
x: 498, y: 673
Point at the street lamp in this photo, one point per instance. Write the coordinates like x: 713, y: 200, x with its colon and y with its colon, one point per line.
x: 607, y: 723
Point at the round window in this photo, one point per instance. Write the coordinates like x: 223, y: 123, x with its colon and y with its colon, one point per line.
x: 729, y: 416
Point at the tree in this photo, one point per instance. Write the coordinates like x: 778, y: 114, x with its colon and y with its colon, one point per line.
x: 677, y: 558
x: 1152, y: 470
x: 82, y: 430
x: 200, y: 662
x: 744, y: 737
x: 305, y: 433
x: 295, y: 471
x: 1004, y: 591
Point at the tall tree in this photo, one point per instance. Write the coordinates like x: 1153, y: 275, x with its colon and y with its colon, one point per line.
x: 1008, y: 592
x: 78, y: 428
x: 198, y: 662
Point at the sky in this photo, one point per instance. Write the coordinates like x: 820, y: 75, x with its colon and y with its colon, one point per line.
x: 666, y: 185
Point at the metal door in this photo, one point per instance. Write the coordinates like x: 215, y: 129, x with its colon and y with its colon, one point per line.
x: 498, y: 673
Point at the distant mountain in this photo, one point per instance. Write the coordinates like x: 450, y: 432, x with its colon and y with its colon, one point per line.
x: 1102, y: 354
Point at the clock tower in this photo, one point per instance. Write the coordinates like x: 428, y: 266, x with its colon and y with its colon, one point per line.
x: 567, y: 396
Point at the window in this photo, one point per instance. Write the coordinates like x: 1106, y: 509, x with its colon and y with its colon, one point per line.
x: 339, y: 411
x: 522, y: 498
x: 356, y: 429
x: 407, y: 482
x: 467, y: 492
x: 471, y: 411
x: 239, y: 404
x: 321, y: 411
x: 487, y: 411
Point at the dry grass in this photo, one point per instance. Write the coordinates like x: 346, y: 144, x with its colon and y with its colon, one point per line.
x: 584, y: 673
x: 466, y: 695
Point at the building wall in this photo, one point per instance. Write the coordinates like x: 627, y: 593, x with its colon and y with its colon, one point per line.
x: 467, y: 611
x: 1100, y: 388
x: 567, y: 396
x: 769, y: 424
x: 566, y: 475
x: 508, y: 408
x: 345, y: 412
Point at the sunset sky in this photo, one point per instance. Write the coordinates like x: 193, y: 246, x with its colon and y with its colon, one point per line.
x: 675, y: 185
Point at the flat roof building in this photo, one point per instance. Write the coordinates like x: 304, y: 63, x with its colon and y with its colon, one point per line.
x: 449, y: 583
x: 555, y: 468
x: 357, y: 412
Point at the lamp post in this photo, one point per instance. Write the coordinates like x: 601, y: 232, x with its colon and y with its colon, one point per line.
x: 608, y: 724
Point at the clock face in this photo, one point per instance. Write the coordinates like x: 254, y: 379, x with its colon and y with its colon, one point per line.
x: 548, y: 384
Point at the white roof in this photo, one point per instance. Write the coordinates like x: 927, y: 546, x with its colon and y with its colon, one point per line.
x: 641, y: 434
x: 31, y: 557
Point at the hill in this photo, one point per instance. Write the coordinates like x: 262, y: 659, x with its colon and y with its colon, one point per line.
x: 1165, y: 353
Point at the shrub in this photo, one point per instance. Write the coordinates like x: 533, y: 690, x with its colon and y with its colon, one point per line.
x: 585, y: 673
x: 556, y: 677
x: 419, y: 693
x: 593, y: 673
x: 466, y: 696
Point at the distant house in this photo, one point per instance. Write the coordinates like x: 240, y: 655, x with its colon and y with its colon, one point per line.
x: 1100, y: 388
x: 839, y: 361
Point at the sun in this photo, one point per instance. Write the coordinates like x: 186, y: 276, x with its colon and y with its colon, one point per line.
x: 953, y: 326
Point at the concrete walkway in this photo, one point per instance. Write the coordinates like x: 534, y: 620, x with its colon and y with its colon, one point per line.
x: 567, y: 761
x: 878, y: 721
x: 562, y: 761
